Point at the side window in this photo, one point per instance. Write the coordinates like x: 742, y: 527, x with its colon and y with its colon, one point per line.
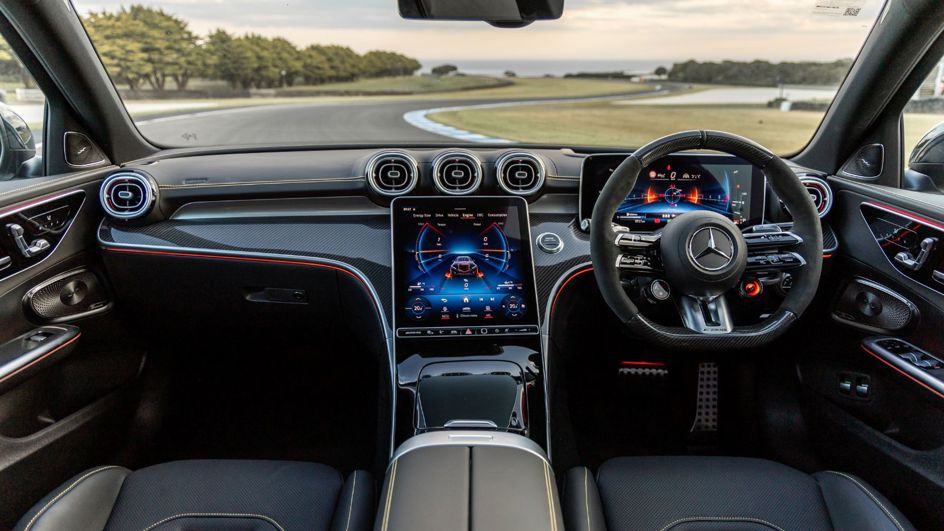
x: 22, y: 109
x: 923, y: 124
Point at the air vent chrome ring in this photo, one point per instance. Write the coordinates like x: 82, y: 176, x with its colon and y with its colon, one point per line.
x: 127, y: 195
x: 457, y: 172
x: 392, y: 173
x: 520, y: 173
x: 820, y: 193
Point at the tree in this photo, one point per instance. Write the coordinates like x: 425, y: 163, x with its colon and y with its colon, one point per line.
x: 661, y: 71
x: 444, y: 70
x: 510, y: 73
x: 10, y: 65
x: 117, y: 37
x: 380, y: 64
x: 230, y: 59
x: 315, y: 66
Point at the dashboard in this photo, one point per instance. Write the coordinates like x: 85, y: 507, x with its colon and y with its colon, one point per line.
x: 676, y: 184
x: 462, y: 267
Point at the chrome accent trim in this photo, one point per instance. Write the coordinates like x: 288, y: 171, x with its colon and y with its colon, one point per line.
x: 258, y: 183
x: 471, y: 424
x: 470, y: 157
x: 540, y: 177
x: 315, y: 207
x: 469, y: 438
x: 545, y: 347
x: 694, y: 319
x: 147, y: 199
x: 30, y: 204
x: 378, y: 304
x: 401, y: 155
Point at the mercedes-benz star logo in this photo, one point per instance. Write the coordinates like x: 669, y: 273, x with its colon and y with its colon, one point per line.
x: 711, y: 248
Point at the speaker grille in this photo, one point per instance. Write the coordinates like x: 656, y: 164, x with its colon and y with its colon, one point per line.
x: 873, y: 307
x: 67, y: 296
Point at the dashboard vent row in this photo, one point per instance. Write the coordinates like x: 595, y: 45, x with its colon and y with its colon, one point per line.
x: 127, y: 195
x: 520, y: 173
x: 820, y: 193
x: 391, y: 173
x: 457, y: 172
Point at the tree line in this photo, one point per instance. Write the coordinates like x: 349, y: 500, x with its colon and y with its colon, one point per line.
x: 761, y: 73
x: 142, y: 46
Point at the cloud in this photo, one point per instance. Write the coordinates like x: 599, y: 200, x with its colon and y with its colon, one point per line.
x: 590, y: 29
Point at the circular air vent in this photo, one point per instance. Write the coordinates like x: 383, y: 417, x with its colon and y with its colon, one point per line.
x: 820, y: 193
x: 127, y: 195
x: 520, y: 173
x: 457, y: 172
x: 392, y: 173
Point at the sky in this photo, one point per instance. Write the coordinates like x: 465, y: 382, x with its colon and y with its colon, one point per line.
x: 599, y: 30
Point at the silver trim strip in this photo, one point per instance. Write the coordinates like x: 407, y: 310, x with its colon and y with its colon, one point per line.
x: 339, y: 206
x: 469, y: 438
x: 387, y: 332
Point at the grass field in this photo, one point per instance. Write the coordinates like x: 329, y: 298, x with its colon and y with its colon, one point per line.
x: 603, y: 123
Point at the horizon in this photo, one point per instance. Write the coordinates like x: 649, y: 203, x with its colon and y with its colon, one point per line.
x: 777, y: 30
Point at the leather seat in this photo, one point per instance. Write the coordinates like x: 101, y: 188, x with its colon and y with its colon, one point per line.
x: 721, y: 493
x: 209, y: 495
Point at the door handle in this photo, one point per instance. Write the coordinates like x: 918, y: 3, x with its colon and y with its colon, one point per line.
x: 914, y: 263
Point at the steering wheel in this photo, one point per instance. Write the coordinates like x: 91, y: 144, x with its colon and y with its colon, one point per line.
x: 703, y: 255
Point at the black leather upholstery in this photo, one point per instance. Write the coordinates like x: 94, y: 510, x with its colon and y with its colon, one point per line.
x: 722, y: 493
x: 208, y: 495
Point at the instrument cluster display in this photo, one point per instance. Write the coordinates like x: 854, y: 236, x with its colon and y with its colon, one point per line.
x: 676, y: 184
x: 462, y: 263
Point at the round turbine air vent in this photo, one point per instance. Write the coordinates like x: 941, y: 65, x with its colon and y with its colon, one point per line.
x: 820, y: 193
x: 392, y: 173
x: 520, y: 173
x: 127, y: 195
x: 457, y: 172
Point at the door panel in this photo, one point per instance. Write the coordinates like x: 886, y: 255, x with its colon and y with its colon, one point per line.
x: 871, y: 417
x: 64, y: 405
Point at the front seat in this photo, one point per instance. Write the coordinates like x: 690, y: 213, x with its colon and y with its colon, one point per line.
x: 721, y: 493
x: 217, y: 495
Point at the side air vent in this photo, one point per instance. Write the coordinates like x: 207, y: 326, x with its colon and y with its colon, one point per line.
x: 392, y: 173
x: 820, y: 193
x: 457, y: 172
x: 127, y: 195
x: 520, y: 173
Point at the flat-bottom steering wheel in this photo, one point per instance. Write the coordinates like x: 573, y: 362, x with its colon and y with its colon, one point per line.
x: 703, y: 255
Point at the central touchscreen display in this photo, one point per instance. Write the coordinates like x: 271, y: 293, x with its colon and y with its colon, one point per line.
x: 463, y: 264
x: 676, y: 184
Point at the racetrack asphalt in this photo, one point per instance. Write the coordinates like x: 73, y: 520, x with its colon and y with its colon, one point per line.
x: 358, y: 122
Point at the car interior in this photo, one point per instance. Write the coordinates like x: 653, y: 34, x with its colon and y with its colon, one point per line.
x: 494, y: 336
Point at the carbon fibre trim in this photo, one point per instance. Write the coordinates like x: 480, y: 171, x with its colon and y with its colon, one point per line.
x: 362, y: 242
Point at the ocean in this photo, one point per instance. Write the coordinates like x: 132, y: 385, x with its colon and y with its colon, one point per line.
x: 540, y: 67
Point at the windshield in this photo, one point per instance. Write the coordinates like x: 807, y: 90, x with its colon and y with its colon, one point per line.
x: 613, y: 73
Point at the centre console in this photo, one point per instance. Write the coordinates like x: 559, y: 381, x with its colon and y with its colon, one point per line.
x: 467, y: 345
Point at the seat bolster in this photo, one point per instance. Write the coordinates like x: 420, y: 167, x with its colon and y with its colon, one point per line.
x: 854, y: 505
x: 355, y: 509
x: 583, y: 510
x: 83, y: 503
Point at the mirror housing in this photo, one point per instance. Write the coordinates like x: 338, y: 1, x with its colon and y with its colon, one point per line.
x: 500, y: 13
x: 17, y: 146
x: 927, y: 161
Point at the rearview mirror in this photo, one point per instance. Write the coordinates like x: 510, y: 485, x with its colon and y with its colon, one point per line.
x: 501, y: 13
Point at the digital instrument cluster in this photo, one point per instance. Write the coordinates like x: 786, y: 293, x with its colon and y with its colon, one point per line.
x: 463, y: 267
x: 676, y: 184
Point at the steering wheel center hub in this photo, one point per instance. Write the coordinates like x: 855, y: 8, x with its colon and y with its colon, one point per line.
x: 703, y: 254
